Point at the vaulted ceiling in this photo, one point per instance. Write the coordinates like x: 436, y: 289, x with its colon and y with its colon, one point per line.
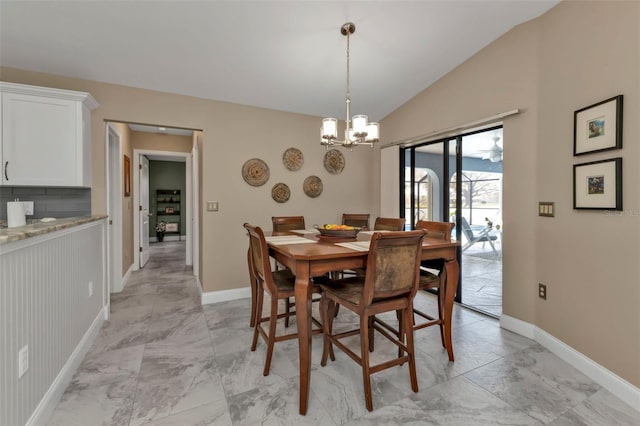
x: 284, y: 55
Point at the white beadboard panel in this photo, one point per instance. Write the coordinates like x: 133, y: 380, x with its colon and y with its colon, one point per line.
x: 45, y: 303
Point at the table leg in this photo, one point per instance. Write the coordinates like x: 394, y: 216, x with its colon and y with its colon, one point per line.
x: 453, y: 273
x: 303, y: 293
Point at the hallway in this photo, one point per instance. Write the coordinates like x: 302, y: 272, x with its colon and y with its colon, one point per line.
x: 163, y: 358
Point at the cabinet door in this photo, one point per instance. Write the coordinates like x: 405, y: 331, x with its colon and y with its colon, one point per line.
x: 40, y: 141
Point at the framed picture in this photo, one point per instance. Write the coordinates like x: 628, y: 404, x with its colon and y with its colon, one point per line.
x: 172, y: 227
x: 127, y: 176
x: 598, y: 127
x: 168, y: 209
x: 598, y: 185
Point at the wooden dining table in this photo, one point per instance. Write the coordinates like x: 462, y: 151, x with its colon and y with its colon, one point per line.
x: 320, y: 256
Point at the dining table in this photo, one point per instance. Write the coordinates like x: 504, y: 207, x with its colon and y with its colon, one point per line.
x: 317, y: 256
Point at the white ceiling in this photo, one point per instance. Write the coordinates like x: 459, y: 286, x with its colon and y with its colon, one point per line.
x: 284, y: 55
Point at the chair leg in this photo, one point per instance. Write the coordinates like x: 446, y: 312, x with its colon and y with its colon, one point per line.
x: 365, y: 346
x: 287, y: 309
x: 408, y: 331
x: 370, y: 334
x: 441, y: 293
x: 273, y: 318
x: 256, y: 328
x: 326, y: 311
x: 401, y: 327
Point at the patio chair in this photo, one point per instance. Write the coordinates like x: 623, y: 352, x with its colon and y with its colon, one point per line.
x: 482, y: 236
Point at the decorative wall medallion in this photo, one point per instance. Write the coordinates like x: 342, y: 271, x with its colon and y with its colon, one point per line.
x: 255, y: 172
x: 293, y: 159
x: 334, y: 161
x: 312, y: 186
x: 280, y: 192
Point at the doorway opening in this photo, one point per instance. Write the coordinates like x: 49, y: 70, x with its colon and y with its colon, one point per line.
x: 459, y: 179
x: 147, y: 145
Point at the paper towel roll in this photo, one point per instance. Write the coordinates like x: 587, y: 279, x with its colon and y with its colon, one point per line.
x: 15, y: 214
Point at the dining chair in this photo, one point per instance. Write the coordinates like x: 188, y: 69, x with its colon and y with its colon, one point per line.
x: 285, y: 224
x: 360, y: 220
x: 389, y: 284
x: 280, y: 285
x: 381, y: 224
x: 432, y: 277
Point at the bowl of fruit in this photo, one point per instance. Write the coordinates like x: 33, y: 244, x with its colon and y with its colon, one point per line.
x: 338, y: 231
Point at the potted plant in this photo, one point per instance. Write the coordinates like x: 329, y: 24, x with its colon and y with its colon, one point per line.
x: 161, y: 227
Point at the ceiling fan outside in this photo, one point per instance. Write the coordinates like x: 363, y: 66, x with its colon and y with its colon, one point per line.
x: 493, y: 154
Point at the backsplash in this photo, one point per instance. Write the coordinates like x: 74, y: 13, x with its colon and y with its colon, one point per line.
x: 48, y: 202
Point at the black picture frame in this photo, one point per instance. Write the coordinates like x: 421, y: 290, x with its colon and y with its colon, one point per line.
x: 597, y: 185
x: 598, y: 127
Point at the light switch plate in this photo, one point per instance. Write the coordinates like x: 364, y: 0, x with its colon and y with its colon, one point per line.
x: 546, y: 208
x: 212, y: 206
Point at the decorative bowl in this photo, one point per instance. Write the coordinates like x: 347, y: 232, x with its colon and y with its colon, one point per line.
x: 351, y: 232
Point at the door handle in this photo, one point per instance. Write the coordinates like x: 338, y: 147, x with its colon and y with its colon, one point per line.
x: 6, y: 166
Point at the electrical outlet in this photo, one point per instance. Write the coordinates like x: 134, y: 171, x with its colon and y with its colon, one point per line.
x: 23, y: 360
x: 90, y: 288
x: 542, y: 291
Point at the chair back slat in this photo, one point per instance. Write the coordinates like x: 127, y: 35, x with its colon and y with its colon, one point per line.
x: 439, y: 230
x: 389, y: 224
x: 287, y: 223
x: 361, y: 220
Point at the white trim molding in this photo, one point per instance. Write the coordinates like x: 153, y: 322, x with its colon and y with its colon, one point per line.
x: 51, y: 399
x: 225, y: 295
x: 601, y: 375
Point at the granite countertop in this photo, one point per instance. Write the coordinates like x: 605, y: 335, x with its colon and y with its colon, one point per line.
x: 35, y: 227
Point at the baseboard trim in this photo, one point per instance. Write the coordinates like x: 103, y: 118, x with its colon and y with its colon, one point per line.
x: 225, y: 295
x: 52, y: 397
x: 615, y: 384
x: 126, y: 277
x: 520, y: 327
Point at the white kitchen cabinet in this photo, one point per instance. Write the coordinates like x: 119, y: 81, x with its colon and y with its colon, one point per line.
x: 46, y: 136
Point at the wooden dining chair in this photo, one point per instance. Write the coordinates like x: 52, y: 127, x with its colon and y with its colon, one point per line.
x: 432, y: 277
x: 360, y: 220
x: 381, y: 224
x: 279, y: 285
x: 389, y: 284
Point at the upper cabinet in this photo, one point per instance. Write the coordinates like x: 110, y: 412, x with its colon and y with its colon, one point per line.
x: 46, y: 136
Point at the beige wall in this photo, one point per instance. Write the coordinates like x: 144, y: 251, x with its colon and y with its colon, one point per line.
x: 231, y: 135
x: 575, y: 55
x: 161, y: 142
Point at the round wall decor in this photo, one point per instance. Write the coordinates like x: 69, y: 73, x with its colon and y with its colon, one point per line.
x: 293, y: 159
x: 334, y: 161
x: 280, y: 192
x: 312, y: 186
x: 255, y: 172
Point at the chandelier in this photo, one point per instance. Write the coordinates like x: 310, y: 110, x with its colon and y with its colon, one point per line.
x: 357, y: 131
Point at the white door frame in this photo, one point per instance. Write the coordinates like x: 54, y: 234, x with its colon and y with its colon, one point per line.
x: 195, y: 222
x: 113, y: 195
x: 191, y: 202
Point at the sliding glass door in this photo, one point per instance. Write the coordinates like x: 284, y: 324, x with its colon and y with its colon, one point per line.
x: 460, y: 180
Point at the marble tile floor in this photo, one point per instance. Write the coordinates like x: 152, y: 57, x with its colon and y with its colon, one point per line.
x: 164, y: 359
x: 481, y: 272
